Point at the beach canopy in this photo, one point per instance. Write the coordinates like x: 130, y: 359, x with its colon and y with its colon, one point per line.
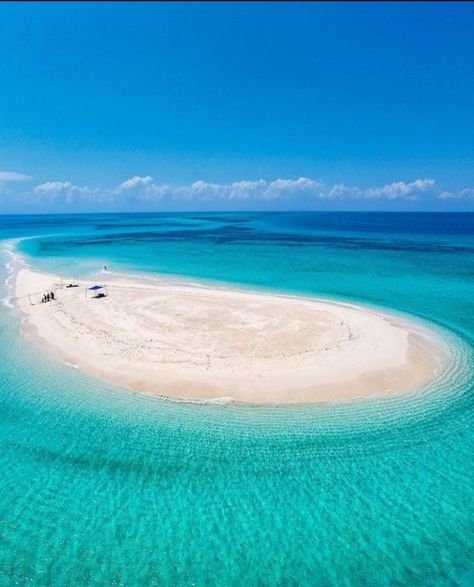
x: 95, y: 287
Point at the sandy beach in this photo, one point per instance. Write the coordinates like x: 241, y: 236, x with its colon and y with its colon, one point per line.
x: 190, y: 342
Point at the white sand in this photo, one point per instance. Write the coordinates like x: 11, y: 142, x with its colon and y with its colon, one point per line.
x: 205, y: 343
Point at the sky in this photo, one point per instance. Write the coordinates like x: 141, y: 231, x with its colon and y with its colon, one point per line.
x: 236, y: 106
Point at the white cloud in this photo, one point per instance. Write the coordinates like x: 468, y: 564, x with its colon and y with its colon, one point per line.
x: 53, y: 187
x: 144, y: 189
x: 6, y: 176
x: 62, y: 191
x: 447, y: 196
x: 244, y: 190
x: 400, y: 189
x: 393, y: 191
x: 289, y: 187
x: 140, y: 189
x: 340, y: 191
x: 8, y: 179
x: 467, y: 193
x: 134, y: 183
x: 142, y: 192
x: 463, y: 194
x: 204, y: 190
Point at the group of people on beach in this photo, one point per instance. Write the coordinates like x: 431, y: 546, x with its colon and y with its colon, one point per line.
x: 48, y: 297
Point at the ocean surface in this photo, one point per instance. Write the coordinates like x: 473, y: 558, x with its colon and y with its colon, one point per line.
x: 101, y: 486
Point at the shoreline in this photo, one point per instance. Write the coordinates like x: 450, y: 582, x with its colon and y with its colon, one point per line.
x: 200, y: 343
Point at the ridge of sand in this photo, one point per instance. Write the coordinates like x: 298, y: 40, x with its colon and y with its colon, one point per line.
x: 206, y: 343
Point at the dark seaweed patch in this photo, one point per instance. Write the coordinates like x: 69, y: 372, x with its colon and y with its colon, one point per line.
x: 231, y: 234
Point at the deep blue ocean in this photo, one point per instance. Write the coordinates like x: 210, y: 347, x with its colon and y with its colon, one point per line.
x: 102, y: 486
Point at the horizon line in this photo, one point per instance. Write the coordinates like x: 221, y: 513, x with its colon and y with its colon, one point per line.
x: 3, y: 214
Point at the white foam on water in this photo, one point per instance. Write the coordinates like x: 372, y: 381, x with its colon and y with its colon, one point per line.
x: 72, y: 365
x: 6, y: 302
x: 15, y: 262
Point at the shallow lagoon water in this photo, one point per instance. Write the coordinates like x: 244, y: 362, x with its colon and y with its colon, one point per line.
x: 102, y: 486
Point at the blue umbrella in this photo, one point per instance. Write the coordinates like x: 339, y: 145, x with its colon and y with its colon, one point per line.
x: 96, y: 288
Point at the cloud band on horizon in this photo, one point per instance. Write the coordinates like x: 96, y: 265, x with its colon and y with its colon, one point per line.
x: 143, y: 191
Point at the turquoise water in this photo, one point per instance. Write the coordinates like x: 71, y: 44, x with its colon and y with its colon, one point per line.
x: 101, y: 486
